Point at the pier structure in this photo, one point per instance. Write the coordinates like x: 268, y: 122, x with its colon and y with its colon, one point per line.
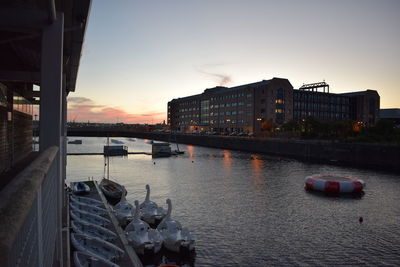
x: 41, y: 43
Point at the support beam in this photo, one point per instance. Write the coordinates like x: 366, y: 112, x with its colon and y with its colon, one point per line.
x: 51, y: 110
x: 51, y: 84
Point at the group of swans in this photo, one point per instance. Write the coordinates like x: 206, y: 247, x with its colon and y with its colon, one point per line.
x: 165, y: 231
x: 89, y: 236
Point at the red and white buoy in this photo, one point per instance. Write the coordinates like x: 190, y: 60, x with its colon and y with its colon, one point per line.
x: 334, y: 183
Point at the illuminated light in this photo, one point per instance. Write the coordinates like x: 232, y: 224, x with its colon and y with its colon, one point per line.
x: 259, y: 119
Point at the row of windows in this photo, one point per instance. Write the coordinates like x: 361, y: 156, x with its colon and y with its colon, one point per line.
x: 320, y: 98
x: 188, y: 109
x: 228, y: 121
x: 233, y: 96
x: 319, y: 106
x: 325, y: 115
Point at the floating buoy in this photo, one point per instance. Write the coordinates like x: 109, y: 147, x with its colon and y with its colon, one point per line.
x: 360, y: 219
x: 334, y: 183
x: 154, y: 163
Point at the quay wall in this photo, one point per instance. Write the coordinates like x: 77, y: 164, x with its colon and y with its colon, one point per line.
x: 376, y: 156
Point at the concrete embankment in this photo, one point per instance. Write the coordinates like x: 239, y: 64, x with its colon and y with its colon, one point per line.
x: 378, y: 156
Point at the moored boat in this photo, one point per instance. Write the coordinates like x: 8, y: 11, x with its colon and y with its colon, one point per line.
x: 80, y: 188
x: 92, y: 230
x: 88, y: 217
x: 96, y: 247
x: 83, y: 259
x: 151, y: 212
x: 112, y: 190
x: 88, y: 208
x: 141, y: 236
x: 176, y: 238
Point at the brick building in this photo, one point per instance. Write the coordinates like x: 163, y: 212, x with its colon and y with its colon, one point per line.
x: 237, y: 109
x: 252, y: 107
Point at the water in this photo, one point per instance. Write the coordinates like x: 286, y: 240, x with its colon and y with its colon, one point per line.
x: 252, y: 210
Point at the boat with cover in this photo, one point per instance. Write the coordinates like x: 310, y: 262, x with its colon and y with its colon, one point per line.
x: 88, y: 208
x: 92, y: 230
x: 80, y: 188
x: 83, y: 259
x: 124, y: 212
x: 87, y: 217
x: 86, y: 200
x: 96, y: 247
x: 141, y: 236
x: 151, y: 212
x: 176, y: 238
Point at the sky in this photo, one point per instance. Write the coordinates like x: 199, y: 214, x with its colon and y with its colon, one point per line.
x: 138, y: 55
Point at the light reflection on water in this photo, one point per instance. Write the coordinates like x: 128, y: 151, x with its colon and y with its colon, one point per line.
x: 252, y: 210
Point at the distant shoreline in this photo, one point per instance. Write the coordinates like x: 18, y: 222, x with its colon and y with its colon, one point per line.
x: 360, y: 155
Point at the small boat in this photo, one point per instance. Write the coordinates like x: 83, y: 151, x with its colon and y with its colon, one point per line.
x: 112, y: 190
x: 87, y: 201
x: 93, y: 230
x: 96, y: 247
x: 141, y: 236
x: 124, y: 212
x: 83, y: 259
x: 150, y: 211
x: 115, y: 141
x: 87, y: 217
x: 88, y: 208
x: 176, y: 238
x: 80, y: 188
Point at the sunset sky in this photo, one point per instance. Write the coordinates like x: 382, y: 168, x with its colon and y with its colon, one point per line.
x: 138, y: 55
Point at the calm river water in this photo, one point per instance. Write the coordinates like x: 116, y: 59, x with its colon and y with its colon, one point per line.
x: 252, y: 210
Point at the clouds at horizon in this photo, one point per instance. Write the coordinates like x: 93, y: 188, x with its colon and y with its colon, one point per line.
x: 85, y: 109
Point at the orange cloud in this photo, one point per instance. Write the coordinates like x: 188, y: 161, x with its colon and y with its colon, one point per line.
x: 84, y: 109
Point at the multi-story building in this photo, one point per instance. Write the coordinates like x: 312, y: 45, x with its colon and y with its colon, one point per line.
x: 364, y: 106
x: 243, y: 108
x: 255, y: 106
x: 308, y: 101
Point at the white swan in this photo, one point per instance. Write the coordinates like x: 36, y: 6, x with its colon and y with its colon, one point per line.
x: 141, y: 236
x: 151, y: 213
x: 175, y: 237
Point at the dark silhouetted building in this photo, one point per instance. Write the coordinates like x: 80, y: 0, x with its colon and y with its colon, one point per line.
x: 256, y: 106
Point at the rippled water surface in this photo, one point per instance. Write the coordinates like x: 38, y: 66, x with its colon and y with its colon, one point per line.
x: 252, y: 210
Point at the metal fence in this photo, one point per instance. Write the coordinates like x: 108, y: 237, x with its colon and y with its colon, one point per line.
x: 30, y: 214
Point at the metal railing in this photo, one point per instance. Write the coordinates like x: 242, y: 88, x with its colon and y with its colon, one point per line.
x: 29, y: 214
